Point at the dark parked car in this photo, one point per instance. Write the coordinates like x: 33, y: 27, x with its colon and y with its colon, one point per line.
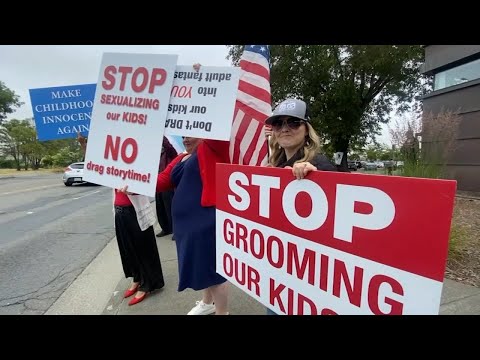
x: 370, y: 166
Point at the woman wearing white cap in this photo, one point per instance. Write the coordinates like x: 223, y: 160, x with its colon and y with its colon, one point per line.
x: 294, y: 142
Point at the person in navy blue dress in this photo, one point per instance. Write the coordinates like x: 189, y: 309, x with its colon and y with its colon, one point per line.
x: 192, y: 175
x: 194, y: 229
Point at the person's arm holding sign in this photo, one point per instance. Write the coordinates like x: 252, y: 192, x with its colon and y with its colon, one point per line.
x: 83, y: 143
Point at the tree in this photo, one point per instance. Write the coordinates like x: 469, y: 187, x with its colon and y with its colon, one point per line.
x: 351, y: 88
x: 373, y: 152
x: 66, y: 156
x: 403, y: 127
x: 31, y: 149
x: 18, y: 138
x: 13, y: 136
x: 8, y: 101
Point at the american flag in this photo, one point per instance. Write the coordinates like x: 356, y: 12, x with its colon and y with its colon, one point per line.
x: 248, y: 145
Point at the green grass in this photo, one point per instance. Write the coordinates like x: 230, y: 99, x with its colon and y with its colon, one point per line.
x: 30, y: 171
x: 420, y: 170
x: 380, y: 171
x: 458, y: 240
x: 411, y: 169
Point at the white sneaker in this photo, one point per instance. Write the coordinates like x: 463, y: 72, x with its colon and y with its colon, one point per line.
x: 202, y: 309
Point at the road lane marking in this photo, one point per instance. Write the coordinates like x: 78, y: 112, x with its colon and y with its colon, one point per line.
x: 30, y: 189
x: 29, y: 212
x: 76, y: 198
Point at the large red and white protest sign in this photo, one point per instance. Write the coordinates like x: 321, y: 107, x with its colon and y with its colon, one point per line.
x: 334, y: 243
x: 128, y: 120
x: 202, y: 103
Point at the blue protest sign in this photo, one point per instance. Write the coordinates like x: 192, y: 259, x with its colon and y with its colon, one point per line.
x: 62, y: 112
x: 177, y: 143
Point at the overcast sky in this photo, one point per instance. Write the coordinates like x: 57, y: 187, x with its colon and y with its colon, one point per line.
x: 24, y: 67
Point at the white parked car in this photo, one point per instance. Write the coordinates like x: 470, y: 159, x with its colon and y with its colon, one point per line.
x: 73, y: 174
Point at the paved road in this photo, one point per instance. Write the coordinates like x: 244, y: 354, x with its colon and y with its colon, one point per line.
x: 48, y: 234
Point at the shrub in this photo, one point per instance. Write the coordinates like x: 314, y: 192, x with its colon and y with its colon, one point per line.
x: 47, y: 161
x: 7, y: 164
x: 66, y: 156
x: 428, y: 158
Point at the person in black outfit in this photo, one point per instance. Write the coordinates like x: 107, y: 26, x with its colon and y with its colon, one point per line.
x: 163, y: 200
x: 138, y: 248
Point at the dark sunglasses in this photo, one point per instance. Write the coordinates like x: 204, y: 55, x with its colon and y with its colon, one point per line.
x: 292, y: 123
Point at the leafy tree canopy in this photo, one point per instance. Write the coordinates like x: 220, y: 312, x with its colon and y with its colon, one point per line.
x: 351, y: 89
x: 8, y: 101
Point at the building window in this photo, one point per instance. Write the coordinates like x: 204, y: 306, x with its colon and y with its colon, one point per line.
x: 457, y: 75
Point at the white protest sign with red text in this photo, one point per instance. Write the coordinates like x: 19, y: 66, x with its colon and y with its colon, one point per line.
x: 334, y: 243
x: 128, y: 121
x: 202, y: 103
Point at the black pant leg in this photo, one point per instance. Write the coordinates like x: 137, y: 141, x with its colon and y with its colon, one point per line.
x: 167, y: 197
x: 161, y: 213
x: 149, y: 261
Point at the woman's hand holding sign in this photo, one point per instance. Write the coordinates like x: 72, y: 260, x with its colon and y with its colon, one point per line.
x: 124, y: 190
x: 301, y: 169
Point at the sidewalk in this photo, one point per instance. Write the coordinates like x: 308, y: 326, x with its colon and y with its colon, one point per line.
x: 457, y: 299
x: 168, y: 301
x: 99, y: 291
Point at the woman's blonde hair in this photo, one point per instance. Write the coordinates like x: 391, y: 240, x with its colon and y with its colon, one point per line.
x: 311, y: 147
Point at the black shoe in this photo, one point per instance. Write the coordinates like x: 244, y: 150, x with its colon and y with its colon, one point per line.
x: 163, y: 233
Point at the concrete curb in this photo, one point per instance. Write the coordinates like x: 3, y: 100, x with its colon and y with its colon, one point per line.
x: 90, y: 292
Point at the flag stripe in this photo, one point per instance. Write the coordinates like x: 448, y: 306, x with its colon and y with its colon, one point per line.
x: 254, y: 91
x: 256, y: 137
x: 234, y: 149
x: 256, y: 58
x: 247, y: 140
x: 253, y: 106
x: 260, y: 154
x: 251, y: 149
x: 260, y: 70
x: 256, y: 108
x: 256, y: 80
x: 240, y: 136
